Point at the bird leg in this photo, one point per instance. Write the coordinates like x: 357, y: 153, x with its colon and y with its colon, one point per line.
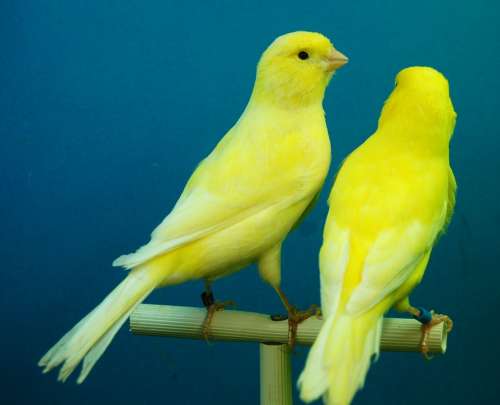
x: 295, y: 317
x: 428, y: 319
x: 212, y: 306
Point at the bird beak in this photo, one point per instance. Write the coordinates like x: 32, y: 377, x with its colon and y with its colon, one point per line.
x: 335, y: 60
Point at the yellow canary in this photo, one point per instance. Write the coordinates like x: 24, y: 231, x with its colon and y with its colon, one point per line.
x: 240, y: 202
x: 392, y: 198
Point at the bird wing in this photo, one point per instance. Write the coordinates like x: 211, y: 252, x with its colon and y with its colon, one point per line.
x: 307, y: 211
x: 334, y: 258
x: 199, y: 216
x: 390, y: 262
x: 452, y: 190
x: 377, y: 235
x: 397, y: 252
x: 242, y: 177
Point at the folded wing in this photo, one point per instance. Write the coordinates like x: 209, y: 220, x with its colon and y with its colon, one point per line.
x: 236, y: 181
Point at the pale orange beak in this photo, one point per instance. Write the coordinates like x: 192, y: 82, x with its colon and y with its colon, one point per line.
x: 336, y: 60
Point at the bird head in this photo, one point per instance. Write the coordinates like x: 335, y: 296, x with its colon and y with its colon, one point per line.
x: 422, y: 82
x: 296, y: 68
x: 421, y: 97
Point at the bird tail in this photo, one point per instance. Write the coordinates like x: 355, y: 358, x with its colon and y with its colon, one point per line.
x: 90, y: 337
x: 340, y: 357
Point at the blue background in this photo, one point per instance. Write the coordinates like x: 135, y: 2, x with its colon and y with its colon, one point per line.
x: 107, y: 106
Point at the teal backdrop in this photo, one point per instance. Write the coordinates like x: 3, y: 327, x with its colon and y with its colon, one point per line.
x: 106, y: 107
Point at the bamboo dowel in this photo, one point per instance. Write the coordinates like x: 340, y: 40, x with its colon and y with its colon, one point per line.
x: 398, y: 334
x: 275, y: 374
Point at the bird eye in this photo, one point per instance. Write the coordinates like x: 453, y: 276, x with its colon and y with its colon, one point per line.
x: 303, y: 55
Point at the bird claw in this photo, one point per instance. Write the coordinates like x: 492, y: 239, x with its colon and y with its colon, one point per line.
x: 212, y: 307
x: 435, y: 319
x: 296, y: 317
x: 278, y: 317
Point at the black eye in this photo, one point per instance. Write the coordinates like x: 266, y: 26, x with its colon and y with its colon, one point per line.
x: 303, y: 55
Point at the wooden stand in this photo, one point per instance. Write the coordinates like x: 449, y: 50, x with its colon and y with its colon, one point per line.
x: 398, y: 335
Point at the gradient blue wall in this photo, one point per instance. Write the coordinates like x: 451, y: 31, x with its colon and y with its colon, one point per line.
x: 107, y: 106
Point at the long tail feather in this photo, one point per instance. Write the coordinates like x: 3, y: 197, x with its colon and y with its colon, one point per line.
x: 90, y: 337
x: 340, y: 357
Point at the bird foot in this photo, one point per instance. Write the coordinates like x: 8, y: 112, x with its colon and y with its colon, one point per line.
x: 212, y: 307
x: 296, y: 317
x: 429, y: 319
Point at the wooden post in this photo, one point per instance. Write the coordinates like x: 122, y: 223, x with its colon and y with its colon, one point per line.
x: 398, y: 334
x: 275, y: 374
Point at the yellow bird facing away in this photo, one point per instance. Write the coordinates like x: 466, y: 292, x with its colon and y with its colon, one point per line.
x: 393, y: 197
x: 240, y: 202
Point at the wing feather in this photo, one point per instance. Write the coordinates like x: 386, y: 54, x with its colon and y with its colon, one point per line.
x: 183, y: 229
x: 390, y: 230
x: 334, y: 257
x: 391, y: 261
x: 245, y: 174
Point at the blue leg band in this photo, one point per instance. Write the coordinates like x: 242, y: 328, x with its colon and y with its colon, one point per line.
x: 425, y: 315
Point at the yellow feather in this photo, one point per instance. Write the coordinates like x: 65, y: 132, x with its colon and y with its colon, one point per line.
x: 241, y: 201
x: 391, y: 199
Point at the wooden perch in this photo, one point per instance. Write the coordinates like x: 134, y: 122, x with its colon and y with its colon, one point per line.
x: 398, y: 334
